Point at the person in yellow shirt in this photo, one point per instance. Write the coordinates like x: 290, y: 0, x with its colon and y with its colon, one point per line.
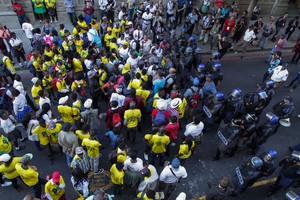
x: 53, y: 131
x: 157, y: 96
x: 67, y: 45
x: 35, y: 89
x: 136, y: 82
x: 48, y: 51
x: 102, y: 75
x: 108, y: 36
x: 9, y: 66
x: 62, y: 31
x: 159, y: 144
x: 78, y: 42
x: 30, y: 176
x: 65, y: 111
x: 83, y: 133
x: 55, y: 187
x: 5, y: 145
x: 103, y: 57
x: 143, y: 92
x: 116, y: 31
x: 60, y: 67
x: 37, y: 64
x: 149, y: 195
x: 84, y: 51
x: 76, y: 109
x: 132, y: 117
x: 47, y: 84
x: 77, y: 64
x: 92, y: 145
x: 51, y: 8
x: 95, y: 25
x: 47, y: 64
x: 83, y: 25
x: 43, y: 134
x: 186, y: 148
x: 7, y: 167
x: 61, y: 86
x: 78, y: 83
x: 117, y: 177
x: 113, y: 47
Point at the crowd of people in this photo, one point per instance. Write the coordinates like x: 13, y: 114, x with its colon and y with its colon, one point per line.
x: 142, y: 64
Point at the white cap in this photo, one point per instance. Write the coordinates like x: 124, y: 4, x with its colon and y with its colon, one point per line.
x: 88, y: 103
x: 161, y: 104
x: 5, y: 157
x: 63, y: 100
x: 34, y: 80
x: 181, y: 196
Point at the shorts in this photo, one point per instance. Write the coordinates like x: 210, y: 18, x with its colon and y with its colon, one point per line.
x: 14, y: 135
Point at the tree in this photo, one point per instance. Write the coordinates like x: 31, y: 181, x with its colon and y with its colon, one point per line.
x: 251, y: 7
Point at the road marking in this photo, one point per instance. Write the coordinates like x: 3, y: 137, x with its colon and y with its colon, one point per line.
x: 256, y: 184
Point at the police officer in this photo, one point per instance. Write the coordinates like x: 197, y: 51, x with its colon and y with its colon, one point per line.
x: 289, y: 173
x: 248, y: 128
x: 218, y: 75
x: 211, y: 112
x: 246, y: 175
x: 284, y: 108
x: 268, y: 159
x: 186, y: 61
x: 201, y: 74
x: 232, y: 105
x: 255, y: 102
x: 227, y: 139
x: 263, y: 132
x: 197, y: 59
x: 209, y: 65
x: 268, y: 87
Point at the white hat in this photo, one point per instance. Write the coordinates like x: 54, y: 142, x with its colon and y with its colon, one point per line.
x: 175, y: 102
x: 181, y: 196
x: 161, y: 104
x: 130, y: 23
x: 63, y: 100
x: 79, y: 150
x: 88, y: 103
x: 34, y: 80
x: 5, y: 157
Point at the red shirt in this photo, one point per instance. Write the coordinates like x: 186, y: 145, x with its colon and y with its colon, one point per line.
x: 139, y: 103
x: 228, y: 26
x: 172, y: 130
x: 18, y: 8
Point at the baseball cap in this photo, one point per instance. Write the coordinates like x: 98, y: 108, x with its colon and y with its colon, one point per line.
x: 56, y: 177
x: 26, y: 158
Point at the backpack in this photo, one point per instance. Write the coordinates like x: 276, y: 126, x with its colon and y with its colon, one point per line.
x: 149, y: 104
x: 195, y: 98
x: 3, y: 69
x: 160, y: 118
x: 116, y: 120
x: 31, y: 67
x: 54, y: 81
x: 48, y: 41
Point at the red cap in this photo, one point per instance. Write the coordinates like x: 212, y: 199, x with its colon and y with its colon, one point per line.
x: 55, y: 177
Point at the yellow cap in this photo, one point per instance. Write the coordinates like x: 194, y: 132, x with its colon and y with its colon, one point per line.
x: 109, y: 29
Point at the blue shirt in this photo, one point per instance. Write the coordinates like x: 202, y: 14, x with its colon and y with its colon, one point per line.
x: 69, y: 3
x: 209, y: 88
x: 158, y: 83
x: 88, y: 19
x: 274, y: 64
x: 180, y: 3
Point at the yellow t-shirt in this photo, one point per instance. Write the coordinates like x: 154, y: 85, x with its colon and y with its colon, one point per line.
x: 29, y: 176
x: 42, y: 134
x: 159, y: 143
x: 184, y: 150
x: 61, y: 84
x: 35, y: 93
x: 10, y: 171
x: 5, y: 145
x: 77, y: 65
x: 103, y: 76
x: 107, y: 39
x: 50, y: 3
x: 9, y: 66
x: 47, y: 82
x: 132, y: 117
x: 92, y: 147
x: 113, y: 46
x: 116, y: 32
x: 81, y: 136
x: 76, y: 109
x: 62, y: 33
x: 181, y: 108
x: 66, y: 113
x: 144, y: 94
x: 77, y: 83
x: 82, y: 24
x: 37, y: 63
x: 53, y: 190
x: 67, y: 46
x: 155, y: 98
x: 54, y: 133
x: 84, y: 53
x: 116, y: 176
x: 135, y: 83
x: 78, y: 45
x: 49, y: 53
x: 46, y: 65
x: 104, y: 60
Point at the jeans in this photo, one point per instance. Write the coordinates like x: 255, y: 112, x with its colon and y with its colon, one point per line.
x: 179, y: 16
x: 73, y: 17
x: 69, y: 158
x: 161, y: 157
x: 21, y: 18
x: 278, y: 28
x: 262, y: 40
x: 37, y: 188
x: 94, y: 162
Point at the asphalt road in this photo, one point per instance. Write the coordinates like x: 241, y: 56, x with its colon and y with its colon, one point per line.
x: 244, y: 74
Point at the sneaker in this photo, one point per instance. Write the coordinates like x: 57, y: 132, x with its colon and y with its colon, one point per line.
x: 5, y: 184
x: 40, y: 21
x: 25, y: 63
x: 23, y: 139
x: 291, y: 90
x: 99, y: 172
x: 146, y: 156
x: 298, y: 116
x: 172, y: 144
x: 20, y: 64
x: 51, y: 22
x: 19, y: 148
x: 56, y: 21
x: 235, y: 52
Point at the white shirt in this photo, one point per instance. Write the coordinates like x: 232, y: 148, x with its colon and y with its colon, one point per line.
x: 18, y: 103
x: 137, y: 35
x: 249, y: 35
x: 168, y: 177
x: 27, y: 28
x: 120, y: 41
x: 44, y: 100
x: 146, y: 18
x: 15, y: 42
x: 153, y: 9
x: 170, y: 8
x: 33, y: 123
x: 102, y: 4
x: 48, y: 117
x: 150, y: 182
x: 193, y: 129
x: 133, y: 167
x: 18, y: 85
x: 133, y: 63
x: 119, y: 98
x: 123, y: 52
x: 279, y: 75
x: 8, y: 125
x: 146, y: 46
